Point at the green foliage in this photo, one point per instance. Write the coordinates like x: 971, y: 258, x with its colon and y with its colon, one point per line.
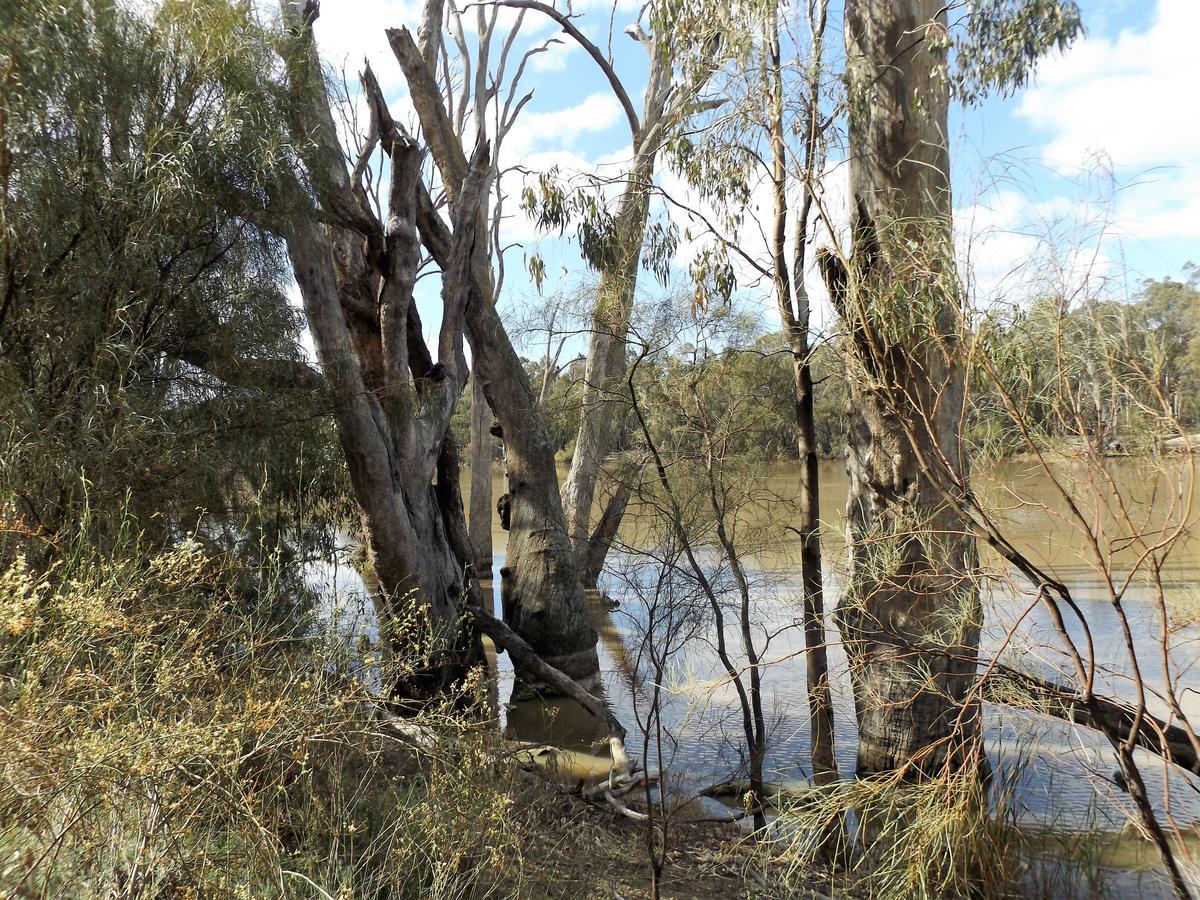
x: 999, y: 42
x: 941, y: 837
x: 723, y: 362
x: 1123, y: 376
x: 149, y: 357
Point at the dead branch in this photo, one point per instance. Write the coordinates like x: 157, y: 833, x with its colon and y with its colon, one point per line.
x: 1170, y: 742
x: 524, y: 657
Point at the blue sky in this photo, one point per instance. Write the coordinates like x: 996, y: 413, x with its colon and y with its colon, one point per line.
x: 1087, y: 180
x: 1107, y: 136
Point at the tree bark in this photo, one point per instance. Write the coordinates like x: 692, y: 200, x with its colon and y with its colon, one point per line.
x: 602, y: 408
x: 392, y: 402
x: 480, y: 520
x: 795, y: 313
x: 911, y: 613
x: 605, y: 533
x: 542, y: 595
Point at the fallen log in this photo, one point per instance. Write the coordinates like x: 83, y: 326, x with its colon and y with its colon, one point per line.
x: 1187, y: 443
x: 524, y: 657
x: 1022, y: 690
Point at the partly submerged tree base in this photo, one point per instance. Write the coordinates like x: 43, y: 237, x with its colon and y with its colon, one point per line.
x: 582, y: 667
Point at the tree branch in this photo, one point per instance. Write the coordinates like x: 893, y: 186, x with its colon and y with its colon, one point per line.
x: 593, y: 51
x: 1169, y: 742
x: 524, y: 657
x: 426, y: 97
x: 268, y: 374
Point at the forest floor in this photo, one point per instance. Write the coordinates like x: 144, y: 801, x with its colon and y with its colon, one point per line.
x: 580, y: 849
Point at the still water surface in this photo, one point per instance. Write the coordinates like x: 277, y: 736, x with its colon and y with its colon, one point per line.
x: 1060, y: 777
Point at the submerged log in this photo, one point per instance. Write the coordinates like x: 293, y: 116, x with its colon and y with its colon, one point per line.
x: 525, y: 659
x: 1173, y: 743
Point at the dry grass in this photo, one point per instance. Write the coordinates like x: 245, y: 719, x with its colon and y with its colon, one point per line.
x: 158, y: 737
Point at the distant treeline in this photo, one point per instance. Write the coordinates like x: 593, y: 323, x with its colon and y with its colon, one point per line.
x: 1097, y: 353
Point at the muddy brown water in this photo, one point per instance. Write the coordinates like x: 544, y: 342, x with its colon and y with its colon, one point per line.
x: 1057, y: 778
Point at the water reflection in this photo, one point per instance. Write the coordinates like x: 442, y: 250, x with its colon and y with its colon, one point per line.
x: 1060, y: 775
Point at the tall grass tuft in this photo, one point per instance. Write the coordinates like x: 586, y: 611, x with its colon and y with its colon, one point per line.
x: 931, y: 838
x: 161, y: 736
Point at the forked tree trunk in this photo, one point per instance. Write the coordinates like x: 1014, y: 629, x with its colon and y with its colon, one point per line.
x: 605, y: 533
x: 541, y: 591
x: 404, y: 521
x: 911, y: 613
x: 605, y: 403
x: 392, y: 403
x: 540, y: 588
x: 603, y: 407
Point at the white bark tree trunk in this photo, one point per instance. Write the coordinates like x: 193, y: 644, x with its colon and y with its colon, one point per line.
x: 602, y: 407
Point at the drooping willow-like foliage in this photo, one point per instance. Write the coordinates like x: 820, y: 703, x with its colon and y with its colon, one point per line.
x: 150, y: 361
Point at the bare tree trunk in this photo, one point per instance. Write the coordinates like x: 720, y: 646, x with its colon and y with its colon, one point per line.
x: 605, y: 405
x: 795, y: 312
x: 602, y: 407
x: 543, y: 596
x: 392, y: 403
x: 540, y: 584
x: 480, y: 521
x: 605, y: 533
x: 820, y: 699
x: 911, y: 613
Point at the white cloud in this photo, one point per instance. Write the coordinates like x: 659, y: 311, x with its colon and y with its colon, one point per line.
x: 561, y: 129
x: 1013, y: 248
x: 1123, y: 96
x: 349, y: 32
x: 1122, y: 151
x: 555, y: 58
x: 753, y: 241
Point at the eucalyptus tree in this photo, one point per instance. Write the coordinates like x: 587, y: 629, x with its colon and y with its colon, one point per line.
x: 910, y: 615
x: 476, y: 80
x: 685, y: 45
x: 392, y: 402
x: 541, y: 591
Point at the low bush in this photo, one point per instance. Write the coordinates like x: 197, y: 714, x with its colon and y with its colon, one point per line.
x: 161, y: 736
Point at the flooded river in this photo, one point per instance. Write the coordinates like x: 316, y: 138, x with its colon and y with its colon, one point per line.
x: 1061, y: 777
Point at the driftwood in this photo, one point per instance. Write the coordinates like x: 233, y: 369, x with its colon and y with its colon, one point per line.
x: 1188, y: 443
x: 1170, y: 742
x: 524, y: 658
